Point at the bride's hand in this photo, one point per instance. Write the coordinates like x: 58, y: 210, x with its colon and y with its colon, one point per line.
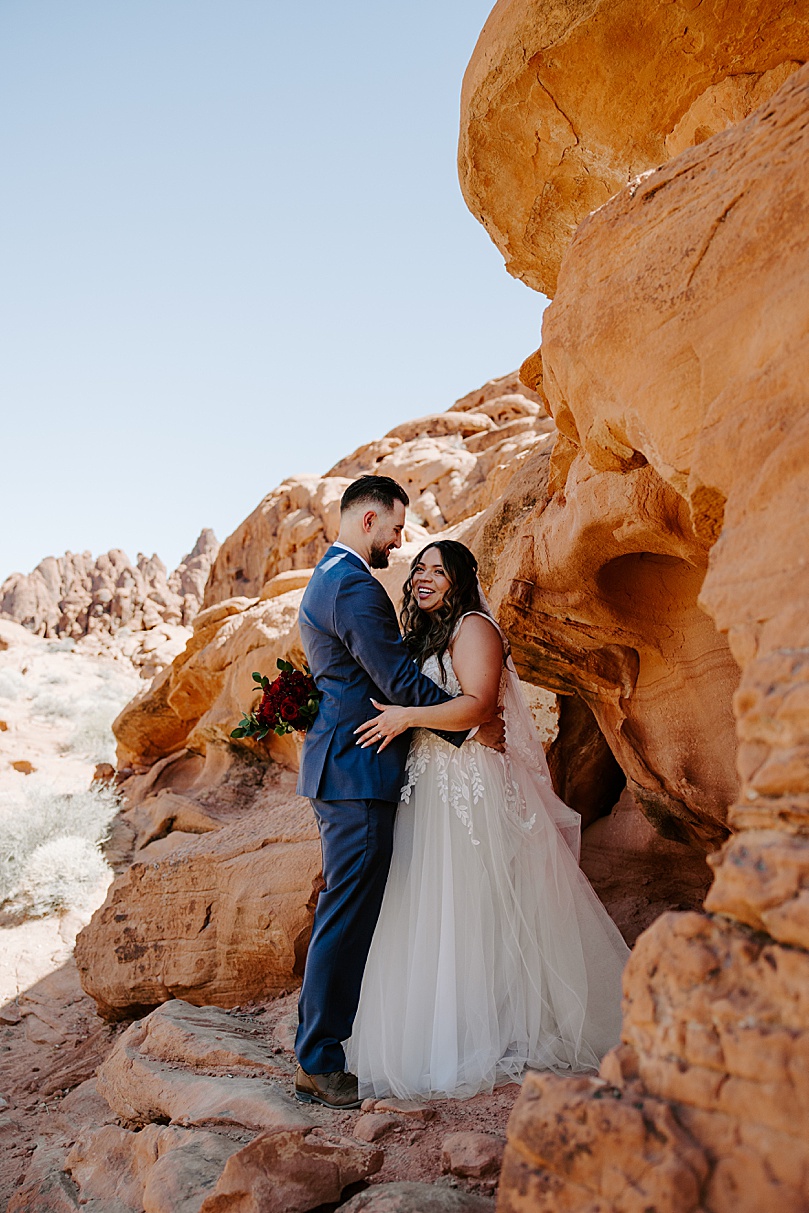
x: 390, y: 722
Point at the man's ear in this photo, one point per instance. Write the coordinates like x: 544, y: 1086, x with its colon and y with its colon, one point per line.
x: 368, y: 520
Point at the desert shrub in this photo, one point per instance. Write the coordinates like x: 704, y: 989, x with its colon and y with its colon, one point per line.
x: 93, y: 715
x: 63, y: 873
x: 47, y: 817
x: 52, y: 705
x: 86, y: 692
x: 49, y: 839
x: 12, y: 684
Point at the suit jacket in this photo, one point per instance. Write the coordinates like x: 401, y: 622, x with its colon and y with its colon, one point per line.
x: 355, y: 653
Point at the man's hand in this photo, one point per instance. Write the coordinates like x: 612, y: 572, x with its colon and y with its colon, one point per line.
x: 493, y: 733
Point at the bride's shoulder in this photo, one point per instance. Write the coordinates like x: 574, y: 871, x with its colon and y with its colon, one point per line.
x: 474, y: 627
x: 476, y: 620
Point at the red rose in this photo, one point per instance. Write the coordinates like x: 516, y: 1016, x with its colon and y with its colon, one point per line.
x: 288, y: 710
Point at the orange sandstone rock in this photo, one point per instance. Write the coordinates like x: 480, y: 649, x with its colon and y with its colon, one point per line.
x: 562, y: 104
x: 196, y: 1067
x: 663, y: 368
x: 598, y: 591
x: 578, y: 1144
x: 220, y: 919
x: 291, y: 1172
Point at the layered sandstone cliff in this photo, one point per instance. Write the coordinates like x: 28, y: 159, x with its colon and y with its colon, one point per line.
x: 665, y: 579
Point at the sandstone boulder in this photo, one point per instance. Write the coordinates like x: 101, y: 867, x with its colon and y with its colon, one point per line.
x: 373, y: 1125
x: 290, y: 1172
x: 196, y: 1067
x: 719, y: 1028
x: 405, y: 1197
x: 578, y: 1144
x: 161, y: 1168
x: 472, y: 1155
x: 199, y: 699
x: 562, y: 104
x: 219, y: 919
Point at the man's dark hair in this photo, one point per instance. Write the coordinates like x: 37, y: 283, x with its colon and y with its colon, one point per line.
x: 379, y: 490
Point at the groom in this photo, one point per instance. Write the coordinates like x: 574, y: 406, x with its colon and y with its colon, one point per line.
x: 355, y: 653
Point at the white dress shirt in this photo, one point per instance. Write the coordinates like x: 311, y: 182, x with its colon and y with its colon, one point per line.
x: 346, y: 548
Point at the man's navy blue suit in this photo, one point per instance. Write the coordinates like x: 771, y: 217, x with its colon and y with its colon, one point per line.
x: 355, y: 653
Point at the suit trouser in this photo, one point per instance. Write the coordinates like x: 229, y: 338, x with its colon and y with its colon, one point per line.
x: 356, y: 838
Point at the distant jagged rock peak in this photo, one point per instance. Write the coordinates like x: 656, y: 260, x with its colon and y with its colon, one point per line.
x: 75, y: 595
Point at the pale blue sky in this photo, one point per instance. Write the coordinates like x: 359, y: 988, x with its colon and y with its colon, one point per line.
x: 232, y: 248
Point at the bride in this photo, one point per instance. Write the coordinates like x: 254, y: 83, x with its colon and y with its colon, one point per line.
x: 492, y: 952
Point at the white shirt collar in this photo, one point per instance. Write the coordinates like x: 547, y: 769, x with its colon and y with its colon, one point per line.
x: 346, y: 548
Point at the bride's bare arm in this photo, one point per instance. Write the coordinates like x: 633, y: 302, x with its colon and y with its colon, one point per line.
x: 477, y: 658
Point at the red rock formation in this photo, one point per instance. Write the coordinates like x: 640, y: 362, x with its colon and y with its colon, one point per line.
x: 74, y: 595
x: 563, y: 103
x: 451, y: 464
x: 675, y: 368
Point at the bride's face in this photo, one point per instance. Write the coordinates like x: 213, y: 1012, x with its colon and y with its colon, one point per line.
x: 430, y: 582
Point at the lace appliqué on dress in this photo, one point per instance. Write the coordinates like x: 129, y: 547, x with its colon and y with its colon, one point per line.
x: 458, y: 778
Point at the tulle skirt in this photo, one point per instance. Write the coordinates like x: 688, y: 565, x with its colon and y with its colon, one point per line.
x: 492, y: 952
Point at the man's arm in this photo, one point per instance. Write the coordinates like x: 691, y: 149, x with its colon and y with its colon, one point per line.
x: 365, y: 621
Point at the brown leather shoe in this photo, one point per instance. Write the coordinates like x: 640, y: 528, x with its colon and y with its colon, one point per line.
x: 338, y: 1090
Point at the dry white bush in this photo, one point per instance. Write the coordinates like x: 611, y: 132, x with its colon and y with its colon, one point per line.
x: 62, y: 874
x: 63, y: 703
x: 47, y: 819
x: 12, y: 684
x: 91, y: 702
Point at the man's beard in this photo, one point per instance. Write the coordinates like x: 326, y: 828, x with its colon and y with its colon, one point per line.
x: 379, y: 557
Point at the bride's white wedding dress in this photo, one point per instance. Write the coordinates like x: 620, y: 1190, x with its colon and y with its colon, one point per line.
x: 492, y: 952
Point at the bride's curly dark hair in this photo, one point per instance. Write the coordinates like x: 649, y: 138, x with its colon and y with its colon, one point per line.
x: 429, y: 632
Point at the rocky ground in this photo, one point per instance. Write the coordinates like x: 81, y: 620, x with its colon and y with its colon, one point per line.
x: 640, y: 521
x: 214, y: 1084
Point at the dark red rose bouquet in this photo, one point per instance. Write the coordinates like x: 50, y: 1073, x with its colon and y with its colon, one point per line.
x: 287, y: 705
